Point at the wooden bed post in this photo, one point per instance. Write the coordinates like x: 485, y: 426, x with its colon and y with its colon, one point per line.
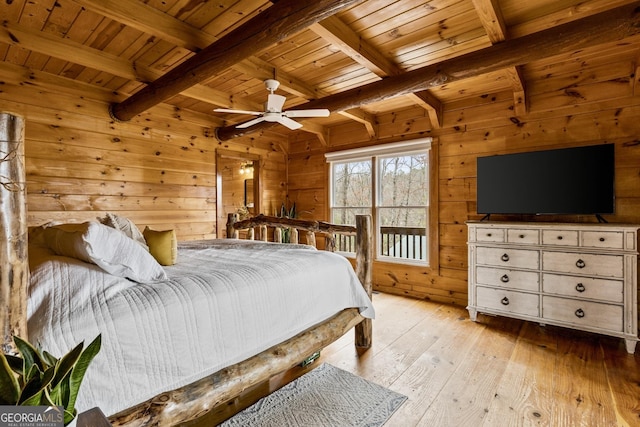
x: 232, y: 233
x: 14, y: 265
x: 364, y: 270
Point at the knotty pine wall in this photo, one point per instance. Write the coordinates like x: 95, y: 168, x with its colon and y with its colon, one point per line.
x: 159, y: 169
x: 599, y: 112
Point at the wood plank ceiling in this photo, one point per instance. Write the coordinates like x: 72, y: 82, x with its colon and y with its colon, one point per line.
x: 121, y: 45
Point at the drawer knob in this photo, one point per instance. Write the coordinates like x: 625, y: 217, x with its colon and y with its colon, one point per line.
x: 505, y: 257
x: 602, y: 239
x: 505, y: 301
x: 580, y: 287
x: 504, y: 279
x: 559, y: 237
x: 579, y: 313
x: 521, y: 236
x: 488, y: 234
x: 580, y: 264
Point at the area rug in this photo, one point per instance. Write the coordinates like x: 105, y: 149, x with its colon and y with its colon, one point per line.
x: 326, y: 396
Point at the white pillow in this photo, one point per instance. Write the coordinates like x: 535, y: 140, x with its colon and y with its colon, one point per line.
x: 125, y: 225
x: 106, y: 247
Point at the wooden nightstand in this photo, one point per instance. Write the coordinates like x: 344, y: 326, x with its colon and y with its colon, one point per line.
x: 93, y: 418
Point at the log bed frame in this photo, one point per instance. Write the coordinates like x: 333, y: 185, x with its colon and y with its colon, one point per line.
x: 189, y: 403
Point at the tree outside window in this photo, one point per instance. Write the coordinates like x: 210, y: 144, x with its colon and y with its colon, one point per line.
x: 394, y: 189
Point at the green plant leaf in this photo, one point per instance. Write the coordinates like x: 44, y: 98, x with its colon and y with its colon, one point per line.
x: 60, y: 393
x: 66, y: 363
x: 79, y: 370
x: 49, y: 359
x: 69, y: 416
x: 30, y: 355
x: 46, y: 398
x: 32, y: 393
x: 9, y: 387
x: 16, y: 363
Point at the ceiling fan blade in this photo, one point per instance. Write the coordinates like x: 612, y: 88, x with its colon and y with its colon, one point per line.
x: 322, y: 112
x: 250, y: 123
x: 291, y: 124
x: 275, y: 103
x: 226, y: 110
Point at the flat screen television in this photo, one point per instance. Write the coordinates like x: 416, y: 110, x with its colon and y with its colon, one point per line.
x: 568, y: 181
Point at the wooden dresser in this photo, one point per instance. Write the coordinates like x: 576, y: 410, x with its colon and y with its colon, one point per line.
x: 581, y: 276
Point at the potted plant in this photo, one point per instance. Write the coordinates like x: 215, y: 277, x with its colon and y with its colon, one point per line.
x: 37, y: 378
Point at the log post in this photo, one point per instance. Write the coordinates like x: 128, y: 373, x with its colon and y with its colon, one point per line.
x: 14, y: 265
x: 364, y: 267
x: 311, y: 238
x: 330, y: 243
x: 263, y: 233
x: 277, y: 235
x: 293, y: 235
x: 251, y: 234
x: 232, y: 233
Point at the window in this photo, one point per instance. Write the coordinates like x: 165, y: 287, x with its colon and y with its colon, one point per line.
x: 391, y: 183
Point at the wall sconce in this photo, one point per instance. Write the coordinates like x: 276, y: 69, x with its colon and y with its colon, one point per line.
x: 246, y: 168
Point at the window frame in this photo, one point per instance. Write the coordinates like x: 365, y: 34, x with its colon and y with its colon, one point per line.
x: 373, y: 153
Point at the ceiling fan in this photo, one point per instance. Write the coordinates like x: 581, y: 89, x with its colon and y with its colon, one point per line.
x: 273, y: 110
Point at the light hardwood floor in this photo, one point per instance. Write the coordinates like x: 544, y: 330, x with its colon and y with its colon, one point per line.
x: 496, y: 372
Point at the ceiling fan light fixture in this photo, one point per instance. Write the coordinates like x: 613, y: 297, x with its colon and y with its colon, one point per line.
x: 273, y: 110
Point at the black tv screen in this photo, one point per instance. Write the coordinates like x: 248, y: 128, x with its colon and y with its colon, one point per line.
x: 574, y: 181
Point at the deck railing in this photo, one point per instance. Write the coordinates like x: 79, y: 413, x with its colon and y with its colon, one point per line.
x: 396, y: 242
x: 404, y: 242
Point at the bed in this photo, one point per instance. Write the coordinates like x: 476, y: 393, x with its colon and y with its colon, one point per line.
x: 178, y: 341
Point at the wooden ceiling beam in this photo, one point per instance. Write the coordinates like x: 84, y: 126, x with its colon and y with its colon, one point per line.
x: 284, y: 18
x: 149, y: 20
x: 68, y: 50
x: 367, y: 119
x: 340, y: 35
x: 520, y: 100
x: 614, y: 25
x: 568, y: 14
x: 493, y: 22
x: 434, y: 107
x: 320, y: 131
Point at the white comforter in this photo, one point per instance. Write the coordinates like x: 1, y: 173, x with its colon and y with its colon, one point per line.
x: 224, y: 302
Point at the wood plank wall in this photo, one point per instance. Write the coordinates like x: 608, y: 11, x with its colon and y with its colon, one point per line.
x: 159, y: 169
x: 602, y: 109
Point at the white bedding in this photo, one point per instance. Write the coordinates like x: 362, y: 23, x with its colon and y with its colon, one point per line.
x: 225, y: 301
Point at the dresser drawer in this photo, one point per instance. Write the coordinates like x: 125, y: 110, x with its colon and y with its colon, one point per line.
x: 511, y: 279
x: 603, y: 239
x: 587, y: 264
x: 583, y: 313
x: 508, y: 301
x: 605, y: 290
x: 560, y: 237
x: 490, y: 235
x: 508, y: 258
x: 524, y: 236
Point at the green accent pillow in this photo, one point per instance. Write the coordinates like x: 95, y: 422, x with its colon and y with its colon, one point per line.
x: 163, y: 245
